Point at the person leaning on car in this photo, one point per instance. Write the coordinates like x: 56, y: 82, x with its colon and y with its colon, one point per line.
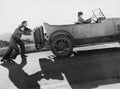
x: 15, y: 41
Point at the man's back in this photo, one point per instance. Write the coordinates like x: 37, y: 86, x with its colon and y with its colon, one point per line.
x: 18, y: 32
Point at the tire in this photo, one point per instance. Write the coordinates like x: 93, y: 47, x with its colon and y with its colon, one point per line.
x: 61, y: 46
x: 35, y: 40
x: 39, y: 38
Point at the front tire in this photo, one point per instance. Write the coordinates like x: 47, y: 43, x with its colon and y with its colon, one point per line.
x: 61, y: 46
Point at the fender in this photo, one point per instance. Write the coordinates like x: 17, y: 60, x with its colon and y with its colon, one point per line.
x: 60, y: 32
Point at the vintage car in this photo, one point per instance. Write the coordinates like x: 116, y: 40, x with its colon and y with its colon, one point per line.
x: 62, y: 38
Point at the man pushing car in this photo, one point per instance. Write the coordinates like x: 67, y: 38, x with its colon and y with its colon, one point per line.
x: 15, y: 41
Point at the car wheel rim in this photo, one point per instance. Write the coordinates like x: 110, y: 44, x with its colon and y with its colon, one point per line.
x: 62, y: 46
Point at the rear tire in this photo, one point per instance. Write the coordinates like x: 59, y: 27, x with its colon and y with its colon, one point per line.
x: 61, y: 46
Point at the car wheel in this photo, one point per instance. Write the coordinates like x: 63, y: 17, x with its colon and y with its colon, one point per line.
x: 61, y: 46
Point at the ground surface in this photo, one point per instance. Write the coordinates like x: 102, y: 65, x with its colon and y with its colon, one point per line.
x: 86, y: 69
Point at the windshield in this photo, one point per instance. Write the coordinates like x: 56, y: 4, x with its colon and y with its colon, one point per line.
x: 98, y: 13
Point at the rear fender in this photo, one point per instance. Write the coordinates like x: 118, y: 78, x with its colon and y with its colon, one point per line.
x: 60, y: 32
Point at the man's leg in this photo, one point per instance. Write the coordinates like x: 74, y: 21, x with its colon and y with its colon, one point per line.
x: 14, y: 54
x: 8, y: 53
x: 22, y: 47
x: 7, y: 56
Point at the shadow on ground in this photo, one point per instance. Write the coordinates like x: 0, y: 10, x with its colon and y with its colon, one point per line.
x: 20, y: 78
x: 86, y: 70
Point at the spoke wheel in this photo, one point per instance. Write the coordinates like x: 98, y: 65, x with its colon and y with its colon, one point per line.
x: 61, y: 46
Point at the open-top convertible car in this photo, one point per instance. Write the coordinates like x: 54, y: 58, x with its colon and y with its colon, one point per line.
x: 62, y: 38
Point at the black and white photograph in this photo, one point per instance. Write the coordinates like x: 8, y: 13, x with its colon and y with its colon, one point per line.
x: 59, y: 44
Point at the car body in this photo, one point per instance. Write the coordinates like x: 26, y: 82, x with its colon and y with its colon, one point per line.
x: 106, y: 30
x: 62, y: 38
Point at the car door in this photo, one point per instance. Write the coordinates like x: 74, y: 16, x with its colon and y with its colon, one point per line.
x: 105, y: 28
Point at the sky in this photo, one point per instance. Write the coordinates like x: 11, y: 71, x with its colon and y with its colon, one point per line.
x: 13, y: 12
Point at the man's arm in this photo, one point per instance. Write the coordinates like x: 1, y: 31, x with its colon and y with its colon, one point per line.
x: 27, y: 31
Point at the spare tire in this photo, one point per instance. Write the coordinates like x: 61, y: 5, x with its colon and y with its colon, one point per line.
x: 39, y: 38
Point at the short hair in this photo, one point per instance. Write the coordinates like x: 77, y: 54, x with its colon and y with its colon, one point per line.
x: 23, y: 22
x: 80, y: 13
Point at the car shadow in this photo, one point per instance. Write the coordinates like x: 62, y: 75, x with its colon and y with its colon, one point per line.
x: 20, y: 78
x: 86, y: 69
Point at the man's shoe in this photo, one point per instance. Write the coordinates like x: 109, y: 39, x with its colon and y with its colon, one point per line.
x: 3, y: 60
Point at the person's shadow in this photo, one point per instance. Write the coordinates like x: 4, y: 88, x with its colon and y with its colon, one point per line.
x: 20, y: 78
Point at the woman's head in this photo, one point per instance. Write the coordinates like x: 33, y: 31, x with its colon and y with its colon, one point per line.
x: 24, y: 23
x: 80, y: 14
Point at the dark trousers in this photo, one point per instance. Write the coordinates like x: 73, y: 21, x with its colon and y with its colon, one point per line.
x: 9, y: 55
x: 21, y: 44
x: 9, y: 52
